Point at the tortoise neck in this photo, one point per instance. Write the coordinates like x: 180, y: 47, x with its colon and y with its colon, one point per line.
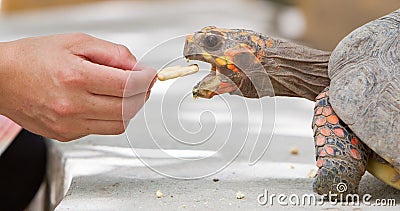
x: 296, y: 70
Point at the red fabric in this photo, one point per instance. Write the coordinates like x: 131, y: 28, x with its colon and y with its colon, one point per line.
x: 8, y: 131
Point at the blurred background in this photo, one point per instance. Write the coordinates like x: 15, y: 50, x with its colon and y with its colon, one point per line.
x: 320, y: 24
x: 142, y: 25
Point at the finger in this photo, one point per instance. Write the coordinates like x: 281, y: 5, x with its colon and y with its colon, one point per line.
x: 142, y: 67
x: 105, y: 53
x: 140, y: 81
x: 148, y: 94
x: 153, y: 82
x: 132, y: 105
x: 103, y: 80
x: 114, y: 108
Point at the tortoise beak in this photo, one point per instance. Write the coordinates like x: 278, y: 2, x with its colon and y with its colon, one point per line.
x: 212, y: 85
x: 191, y: 50
x: 207, y: 87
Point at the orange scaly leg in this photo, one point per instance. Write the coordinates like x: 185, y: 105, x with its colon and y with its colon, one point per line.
x: 341, y: 156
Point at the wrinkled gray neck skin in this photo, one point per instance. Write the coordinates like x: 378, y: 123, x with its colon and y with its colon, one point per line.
x: 296, y: 70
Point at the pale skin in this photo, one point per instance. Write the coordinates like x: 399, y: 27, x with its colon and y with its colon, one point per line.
x: 71, y: 85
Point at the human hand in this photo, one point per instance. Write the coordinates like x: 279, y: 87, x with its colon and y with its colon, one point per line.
x: 71, y: 85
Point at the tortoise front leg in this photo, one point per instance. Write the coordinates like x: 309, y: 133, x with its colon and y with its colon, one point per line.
x: 341, y: 157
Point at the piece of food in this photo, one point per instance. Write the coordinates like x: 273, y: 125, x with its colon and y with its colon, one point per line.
x: 159, y: 194
x: 240, y: 195
x: 177, y: 71
x: 294, y: 150
x: 312, y: 173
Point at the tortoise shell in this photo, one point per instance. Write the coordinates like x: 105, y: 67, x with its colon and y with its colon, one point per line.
x: 364, y: 70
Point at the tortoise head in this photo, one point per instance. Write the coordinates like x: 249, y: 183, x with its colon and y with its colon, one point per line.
x: 232, y: 54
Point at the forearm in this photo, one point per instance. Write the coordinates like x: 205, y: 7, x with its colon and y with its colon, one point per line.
x: 6, y: 72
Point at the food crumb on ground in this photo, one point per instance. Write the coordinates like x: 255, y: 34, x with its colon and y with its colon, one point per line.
x: 312, y: 173
x: 294, y: 150
x: 240, y: 195
x: 215, y: 180
x: 159, y: 194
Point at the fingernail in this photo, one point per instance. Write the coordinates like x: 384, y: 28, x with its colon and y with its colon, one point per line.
x: 148, y: 95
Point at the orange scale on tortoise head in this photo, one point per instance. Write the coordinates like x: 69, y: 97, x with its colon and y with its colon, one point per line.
x: 269, y: 43
x: 333, y: 119
x: 257, y: 40
x: 339, y: 132
x: 254, y: 38
x: 325, y: 131
x: 231, y: 66
x: 320, y: 140
x: 320, y: 121
x: 327, y: 111
x: 220, y: 61
x: 208, y: 28
x: 260, y: 55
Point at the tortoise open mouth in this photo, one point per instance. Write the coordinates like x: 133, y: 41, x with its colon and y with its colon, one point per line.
x: 219, y: 81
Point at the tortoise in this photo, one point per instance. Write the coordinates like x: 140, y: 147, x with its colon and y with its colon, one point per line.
x: 356, y: 88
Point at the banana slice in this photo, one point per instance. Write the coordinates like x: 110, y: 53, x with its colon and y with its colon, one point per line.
x: 177, y: 71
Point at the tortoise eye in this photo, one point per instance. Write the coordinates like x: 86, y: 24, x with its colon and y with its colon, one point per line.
x: 211, y: 42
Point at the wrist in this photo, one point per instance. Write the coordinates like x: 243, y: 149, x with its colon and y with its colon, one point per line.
x: 7, y: 59
x: 7, y: 62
